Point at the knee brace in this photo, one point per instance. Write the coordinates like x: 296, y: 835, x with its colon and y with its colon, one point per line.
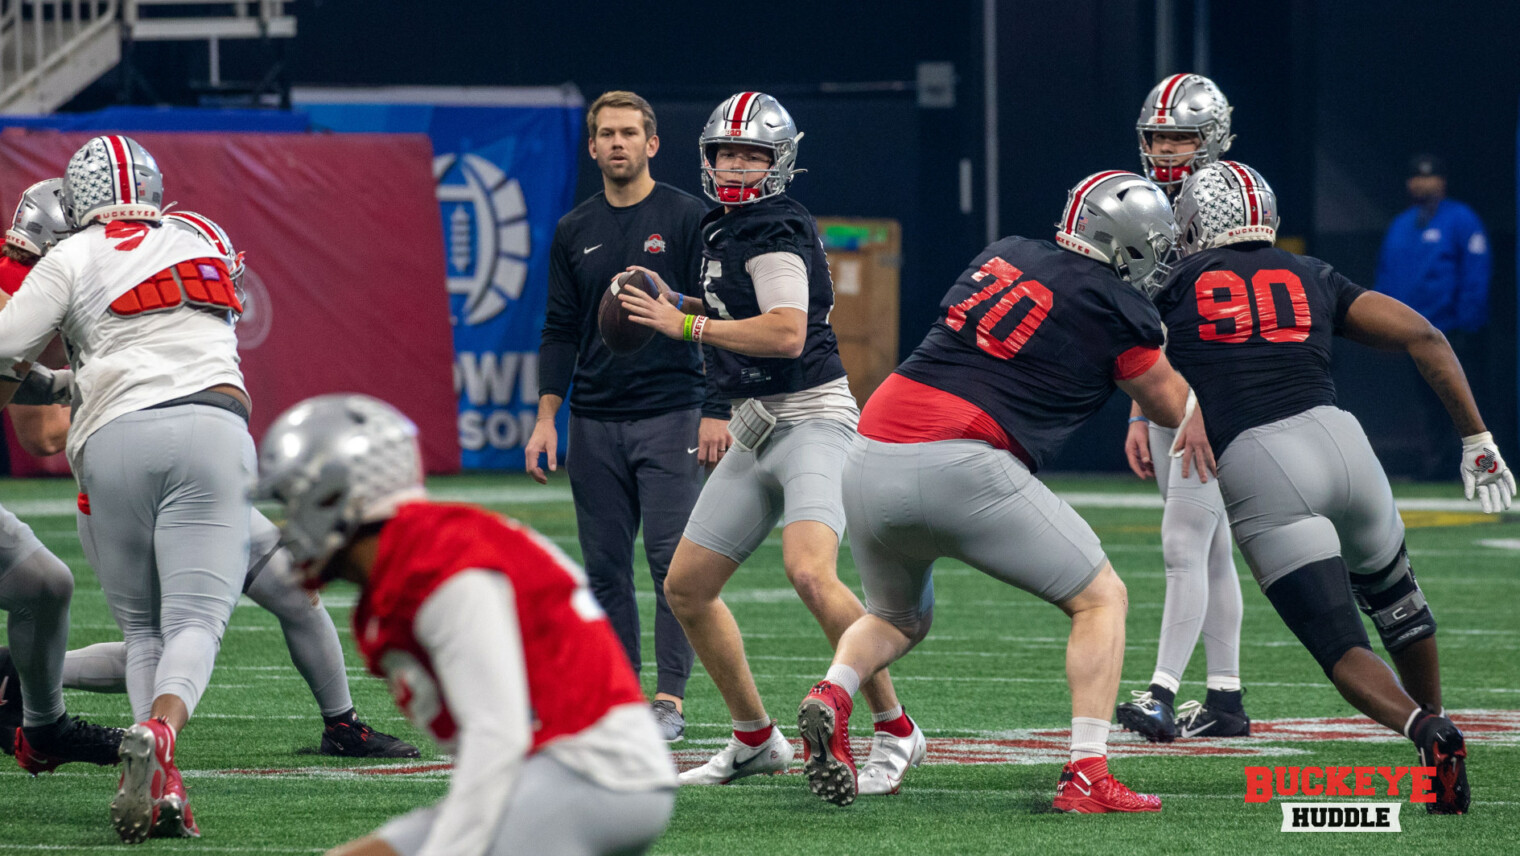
x: 1315, y: 602
x: 1394, y: 602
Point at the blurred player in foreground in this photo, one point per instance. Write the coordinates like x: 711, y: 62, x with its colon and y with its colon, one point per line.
x: 35, y: 585
x: 1251, y: 327
x: 1034, y: 338
x: 1184, y: 125
x: 765, y: 307
x: 489, y: 637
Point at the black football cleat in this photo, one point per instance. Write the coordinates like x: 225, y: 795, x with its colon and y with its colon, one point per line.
x: 1440, y: 744
x: 44, y: 748
x: 10, y: 701
x: 353, y: 739
x: 1149, y: 717
x: 1196, y: 719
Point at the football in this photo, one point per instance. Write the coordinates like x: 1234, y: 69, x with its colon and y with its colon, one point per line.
x: 622, y: 336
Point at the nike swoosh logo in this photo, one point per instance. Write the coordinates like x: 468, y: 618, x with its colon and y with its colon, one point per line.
x: 741, y: 765
x: 589, y: 250
x: 1194, y: 732
x: 692, y: 450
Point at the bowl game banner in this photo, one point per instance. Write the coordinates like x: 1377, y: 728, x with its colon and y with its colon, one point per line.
x: 504, y: 163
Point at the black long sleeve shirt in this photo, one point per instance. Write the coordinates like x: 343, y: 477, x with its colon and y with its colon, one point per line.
x: 592, y: 244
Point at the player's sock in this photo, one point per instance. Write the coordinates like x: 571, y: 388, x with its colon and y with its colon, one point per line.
x: 753, y: 732
x: 1089, y: 738
x: 897, y: 726
x: 844, y: 677
x: 99, y: 668
x: 1224, y: 700
x: 1164, y: 694
x: 344, y: 718
x: 1224, y: 683
x: 1409, y: 724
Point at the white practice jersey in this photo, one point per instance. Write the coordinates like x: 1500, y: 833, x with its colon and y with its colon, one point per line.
x: 122, y: 362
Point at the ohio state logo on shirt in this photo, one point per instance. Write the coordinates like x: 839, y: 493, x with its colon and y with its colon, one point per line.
x: 654, y: 244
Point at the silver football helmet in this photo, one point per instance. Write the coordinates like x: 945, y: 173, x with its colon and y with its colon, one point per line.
x: 214, y: 235
x: 1189, y: 104
x: 1225, y: 203
x: 751, y: 119
x: 1123, y: 221
x: 337, y: 462
x: 112, y: 178
x: 39, y: 223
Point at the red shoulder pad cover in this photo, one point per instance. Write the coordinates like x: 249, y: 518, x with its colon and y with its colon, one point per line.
x: 203, y: 283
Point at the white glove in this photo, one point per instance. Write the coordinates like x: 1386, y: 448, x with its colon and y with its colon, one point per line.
x: 1485, y: 473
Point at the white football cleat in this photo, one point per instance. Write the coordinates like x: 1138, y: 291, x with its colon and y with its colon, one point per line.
x: 890, y: 759
x: 738, y: 760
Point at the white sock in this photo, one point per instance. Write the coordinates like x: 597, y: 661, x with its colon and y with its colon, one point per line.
x: 752, y: 724
x: 887, y: 715
x: 1224, y: 683
x: 844, y: 677
x: 1409, y: 723
x: 1089, y: 737
x: 1165, y: 680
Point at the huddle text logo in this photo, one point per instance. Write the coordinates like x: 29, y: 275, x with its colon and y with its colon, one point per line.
x: 1413, y: 783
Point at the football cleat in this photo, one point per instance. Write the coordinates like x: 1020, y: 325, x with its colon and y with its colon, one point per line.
x: 1195, y: 719
x: 824, y: 720
x: 43, y: 749
x: 147, y: 754
x: 1087, y: 787
x: 672, y: 724
x: 738, y: 760
x: 10, y: 701
x: 172, y: 817
x: 353, y: 739
x: 890, y: 759
x: 1441, y: 745
x: 1149, y: 717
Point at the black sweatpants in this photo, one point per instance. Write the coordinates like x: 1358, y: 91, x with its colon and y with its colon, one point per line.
x: 621, y: 472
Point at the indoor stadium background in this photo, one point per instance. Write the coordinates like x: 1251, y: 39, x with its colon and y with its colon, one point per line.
x: 961, y: 120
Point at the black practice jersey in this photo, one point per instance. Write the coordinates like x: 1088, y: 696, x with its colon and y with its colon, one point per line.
x: 1031, y: 334
x: 592, y: 244
x: 776, y: 225
x: 1250, y: 328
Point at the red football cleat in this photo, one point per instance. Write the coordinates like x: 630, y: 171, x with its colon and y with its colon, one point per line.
x: 1087, y: 787
x: 150, y: 800
x: 824, y: 720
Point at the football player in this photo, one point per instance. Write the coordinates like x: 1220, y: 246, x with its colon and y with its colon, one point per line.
x: 309, y: 633
x: 35, y: 585
x: 159, y: 446
x: 1033, y: 339
x: 1185, y: 125
x: 765, y: 307
x: 1251, y: 327
x: 489, y: 636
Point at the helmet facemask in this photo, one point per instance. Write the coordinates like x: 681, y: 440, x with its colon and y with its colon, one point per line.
x: 750, y: 119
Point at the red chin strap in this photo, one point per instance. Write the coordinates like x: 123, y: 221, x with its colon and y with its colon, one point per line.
x: 737, y: 195
x: 1171, y: 174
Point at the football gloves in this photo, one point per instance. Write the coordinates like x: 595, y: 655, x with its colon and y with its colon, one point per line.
x: 1485, y: 474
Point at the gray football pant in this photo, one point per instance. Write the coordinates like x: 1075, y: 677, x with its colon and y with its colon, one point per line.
x: 309, y: 632
x: 1308, y: 488
x: 167, y: 534
x: 35, y: 588
x: 1202, y: 589
x: 555, y: 811
x: 620, y: 473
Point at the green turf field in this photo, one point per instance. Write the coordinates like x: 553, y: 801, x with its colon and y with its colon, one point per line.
x: 987, y: 687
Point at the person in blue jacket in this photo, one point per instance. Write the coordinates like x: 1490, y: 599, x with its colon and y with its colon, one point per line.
x: 1435, y: 259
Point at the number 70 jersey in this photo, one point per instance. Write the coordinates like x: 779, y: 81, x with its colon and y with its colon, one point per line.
x: 1251, y: 331
x: 1035, y: 337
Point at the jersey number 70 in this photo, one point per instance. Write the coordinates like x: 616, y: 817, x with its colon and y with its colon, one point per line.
x: 1004, y: 276
x: 1236, y: 306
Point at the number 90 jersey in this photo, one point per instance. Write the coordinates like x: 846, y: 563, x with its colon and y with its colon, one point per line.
x: 1035, y: 336
x: 1251, y: 330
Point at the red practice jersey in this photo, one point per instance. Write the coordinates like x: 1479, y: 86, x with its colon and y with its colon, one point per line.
x: 12, y: 273
x: 576, y: 669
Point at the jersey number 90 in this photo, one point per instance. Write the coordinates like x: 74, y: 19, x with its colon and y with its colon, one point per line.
x: 1235, y: 305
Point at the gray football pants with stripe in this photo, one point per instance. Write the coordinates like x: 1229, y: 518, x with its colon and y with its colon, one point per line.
x: 1202, y: 588
x: 168, y: 536
x: 35, y: 588
x: 309, y: 631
